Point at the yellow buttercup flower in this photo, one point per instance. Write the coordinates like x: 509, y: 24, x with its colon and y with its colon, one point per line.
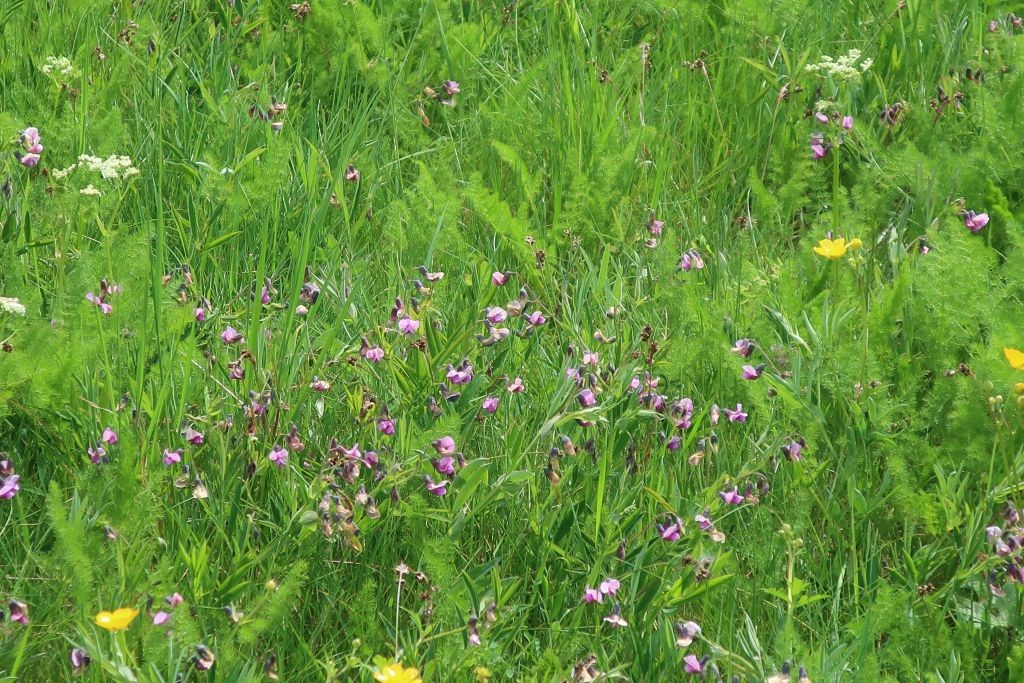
x: 1014, y: 357
x: 855, y: 243
x: 118, y: 620
x: 832, y: 249
x: 396, y: 673
x: 1019, y: 388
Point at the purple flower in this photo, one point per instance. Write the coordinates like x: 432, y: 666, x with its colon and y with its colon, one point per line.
x: 587, y: 398
x: 200, y: 313
x: 975, y: 221
x: 496, y: 314
x: 351, y: 174
x: 79, y: 660
x: 104, y: 307
x: 819, y: 149
x: 18, y: 612
x: 704, y: 522
x: 451, y: 88
x: 731, y: 497
x: 591, y: 358
x: 674, y: 443
x: 374, y: 354
x: 319, y: 385
x: 535, y: 319
x: 29, y: 160
x: 847, y: 122
x: 231, y: 336
x: 444, y: 446
x: 654, y: 226
x: 265, y: 295
x: 9, y: 487
x: 993, y: 533
x: 491, y: 404
x: 736, y: 415
x: 615, y: 618
x: 993, y: 26
x: 714, y: 414
x: 174, y: 600
x: 172, y: 457
x: 161, y: 618
x: 743, y: 347
x: 672, y: 529
x: 609, y: 586
x: 516, y: 386
x: 438, y: 489
x: 592, y: 595
x: 193, y: 436
x: 752, y: 372
x: 98, y: 455
x: 278, y: 456
x: 461, y: 375
x: 386, y: 426
x: 691, y: 260
x: 31, y: 141
x: 445, y: 465
x: 109, y: 436
x: 408, y: 326
x: 499, y: 279
x: 794, y: 450
x: 686, y: 632
x: 821, y: 117
x: 693, y: 665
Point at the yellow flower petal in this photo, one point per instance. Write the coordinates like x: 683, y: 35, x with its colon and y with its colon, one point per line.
x: 1014, y: 357
x: 396, y: 673
x: 831, y: 249
x: 118, y: 620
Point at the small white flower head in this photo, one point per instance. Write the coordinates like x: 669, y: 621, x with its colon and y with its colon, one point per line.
x: 111, y: 168
x: 11, y: 305
x: 90, y: 191
x: 58, y: 66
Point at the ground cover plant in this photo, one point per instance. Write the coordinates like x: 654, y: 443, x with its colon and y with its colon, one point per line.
x: 390, y: 340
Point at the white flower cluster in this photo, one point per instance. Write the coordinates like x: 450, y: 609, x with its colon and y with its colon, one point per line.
x: 111, y: 168
x: 11, y: 305
x: 848, y: 67
x: 90, y: 191
x: 59, y: 66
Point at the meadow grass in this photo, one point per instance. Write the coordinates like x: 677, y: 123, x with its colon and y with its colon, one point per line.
x: 469, y: 341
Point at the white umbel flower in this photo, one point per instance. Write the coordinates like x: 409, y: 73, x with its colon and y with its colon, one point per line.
x: 11, y: 305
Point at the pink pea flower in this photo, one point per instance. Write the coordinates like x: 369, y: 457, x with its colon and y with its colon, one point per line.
x: 736, y: 415
x: 439, y: 488
x: 278, y: 456
x: 516, y: 386
x: 674, y: 443
x: 704, y: 522
x: 352, y: 174
x: 104, y: 307
x: 609, y: 586
x: 109, y: 436
x: 821, y: 117
x: 408, y: 326
x: 587, y: 398
x: 386, y: 426
x: 79, y: 660
x: 654, y: 226
x: 714, y: 414
x: 460, y: 375
x: 9, y: 487
x: 374, y: 354
x: 29, y: 160
x: 200, y: 314
x: 819, y: 149
x: 671, y: 530
x: 693, y: 665
x: 691, y: 260
x: 31, y: 141
x: 265, y: 295
x: 172, y: 457
x: 319, y: 385
x: 993, y: 533
x: 98, y: 455
x: 444, y: 446
x: 752, y: 372
x: 743, y: 347
x: 975, y: 221
x: 615, y: 618
x: 535, y: 319
x: 731, y: 497
x: 193, y: 436
x: 496, y: 314
x: 500, y: 279
x: 686, y: 632
x: 993, y: 26
x: 451, y: 88
x: 590, y: 358
x: 847, y: 123
x: 231, y: 336
x: 161, y: 618
x: 18, y: 612
x: 592, y: 595
x: 445, y: 466
x: 174, y: 600
x: 491, y: 404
